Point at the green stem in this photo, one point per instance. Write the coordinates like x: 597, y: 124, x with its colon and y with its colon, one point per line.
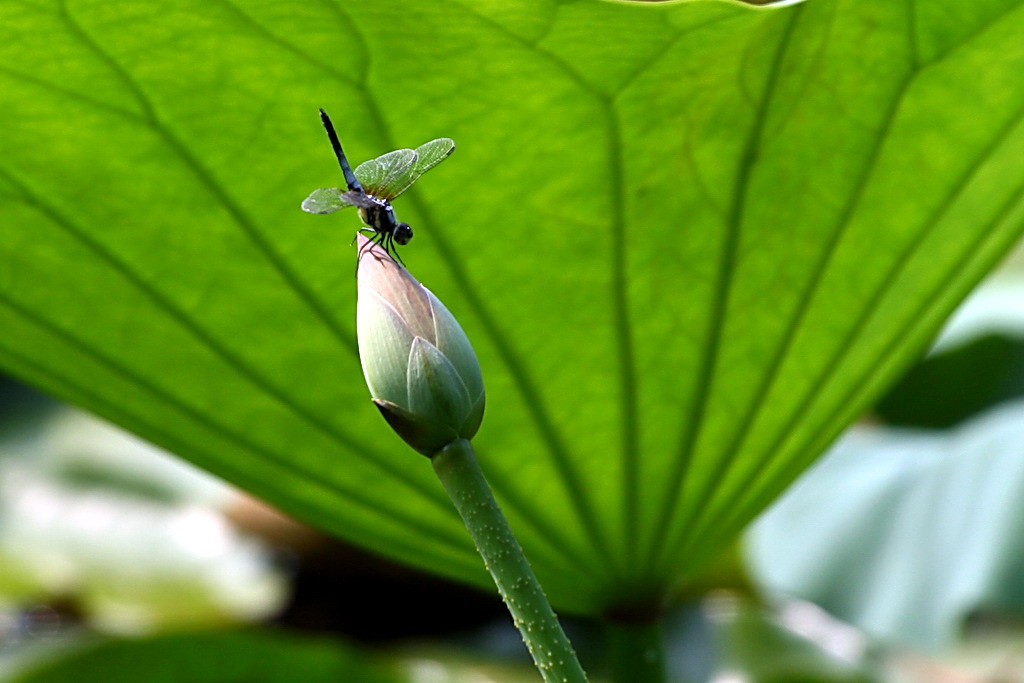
x: 460, y: 474
x: 636, y: 652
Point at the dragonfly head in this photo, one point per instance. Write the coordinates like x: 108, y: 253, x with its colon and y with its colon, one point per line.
x: 402, y: 233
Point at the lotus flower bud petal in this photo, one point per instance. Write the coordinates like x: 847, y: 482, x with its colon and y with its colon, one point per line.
x: 425, y: 436
x: 384, y: 340
x: 419, y: 365
x: 454, y: 344
x: 435, y: 389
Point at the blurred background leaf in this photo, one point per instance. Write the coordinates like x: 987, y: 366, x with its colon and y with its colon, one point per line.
x: 137, y: 541
x: 978, y: 361
x: 208, y: 657
x: 755, y: 643
x: 691, y: 242
x: 907, y: 532
x: 927, y: 532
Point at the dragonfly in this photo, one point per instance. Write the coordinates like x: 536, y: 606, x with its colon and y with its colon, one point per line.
x: 373, y: 185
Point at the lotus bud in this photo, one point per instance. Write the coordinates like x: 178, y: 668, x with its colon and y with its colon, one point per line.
x: 419, y: 365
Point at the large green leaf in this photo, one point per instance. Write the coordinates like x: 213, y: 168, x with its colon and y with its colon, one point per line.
x: 689, y: 240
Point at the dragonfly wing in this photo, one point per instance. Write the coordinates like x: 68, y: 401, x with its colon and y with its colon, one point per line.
x: 432, y: 153
x: 326, y: 200
x: 358, y: 199
x: 428, y: 156
x: 379, y: 176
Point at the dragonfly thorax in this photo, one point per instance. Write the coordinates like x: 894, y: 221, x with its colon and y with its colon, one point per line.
x: 381, y: 218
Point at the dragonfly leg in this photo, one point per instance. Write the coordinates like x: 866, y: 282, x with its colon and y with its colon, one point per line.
x: 362, y: 231
x: 373, y: 239
x: 381, y: 239
x: 392, y: 249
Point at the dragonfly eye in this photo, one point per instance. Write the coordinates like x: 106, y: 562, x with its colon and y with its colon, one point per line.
x: 402, y: 233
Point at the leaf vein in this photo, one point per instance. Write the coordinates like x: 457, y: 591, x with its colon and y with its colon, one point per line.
x: 886, y: 285
x: 692, y: 425
x: 160, y: 393
x: 827, y: 431
x: 287, y: 45
x: 202, y: 174
x: 743, y: 431
x: 359, y: 450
